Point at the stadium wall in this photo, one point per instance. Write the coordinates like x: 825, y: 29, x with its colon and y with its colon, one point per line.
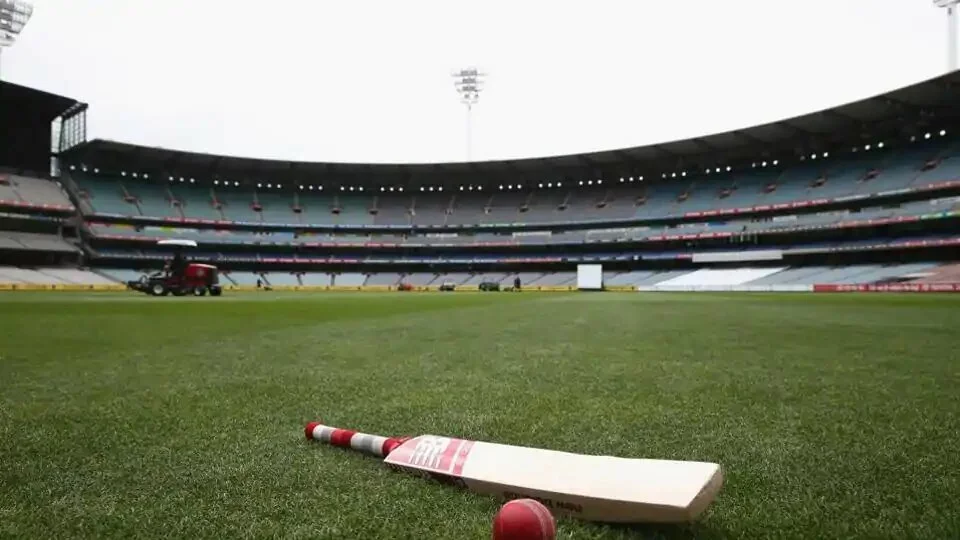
x: 831, y: 288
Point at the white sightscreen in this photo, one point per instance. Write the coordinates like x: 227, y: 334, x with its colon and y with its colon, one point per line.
x: 590, y: 276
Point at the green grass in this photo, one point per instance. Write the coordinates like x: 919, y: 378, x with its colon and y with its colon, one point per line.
x: 127, y: 416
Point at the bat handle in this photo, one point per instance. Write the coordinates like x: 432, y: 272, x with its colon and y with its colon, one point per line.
x: 369, y: 444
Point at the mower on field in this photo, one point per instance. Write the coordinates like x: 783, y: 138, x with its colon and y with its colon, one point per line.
x: 180, y: 277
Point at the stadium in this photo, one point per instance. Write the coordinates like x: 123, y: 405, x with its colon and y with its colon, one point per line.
x: 864, y: 195
x: 730, y: 318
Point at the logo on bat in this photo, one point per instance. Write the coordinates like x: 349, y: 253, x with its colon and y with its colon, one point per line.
x: 430, y: 452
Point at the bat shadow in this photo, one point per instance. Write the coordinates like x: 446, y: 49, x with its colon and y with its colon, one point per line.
x: 698, y: 531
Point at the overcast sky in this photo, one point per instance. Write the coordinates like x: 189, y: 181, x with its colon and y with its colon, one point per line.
x: 366, y: 80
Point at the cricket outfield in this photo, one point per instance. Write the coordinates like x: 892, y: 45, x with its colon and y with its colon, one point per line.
x: 122, y: 415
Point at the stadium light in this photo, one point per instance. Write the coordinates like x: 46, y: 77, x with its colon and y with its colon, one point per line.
x: 469, y: 83
x: 951, y: 7
x: 14, y: 16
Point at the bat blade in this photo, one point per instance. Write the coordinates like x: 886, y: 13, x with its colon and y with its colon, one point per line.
x: 593, y: 488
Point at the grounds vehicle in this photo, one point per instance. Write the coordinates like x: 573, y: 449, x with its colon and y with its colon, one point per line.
x: 448, y: 285
x: 180, y: 277
x: 404, y: 287
x: 490, y: 286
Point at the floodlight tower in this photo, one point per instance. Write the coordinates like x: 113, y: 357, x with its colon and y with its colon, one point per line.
x: 14, y: 16
x: 469, y: 83
x: 951, y: 6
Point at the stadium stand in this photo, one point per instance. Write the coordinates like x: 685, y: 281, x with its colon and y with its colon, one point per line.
x: 51, y: 276
x: 383, y: 279
x: 35, y: 242
x: 715, y: 277
x: 948, y: 273
x: 845, y: 210
x: 852, y: 274
x: 282, y: 279
x: 865, y: 173
x: 33, y: 191
x: 316, y: 279
x: 122, y: 276
x: 349, y: 280
x: 244, y: 278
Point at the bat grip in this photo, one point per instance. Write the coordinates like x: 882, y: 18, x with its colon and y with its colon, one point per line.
x: 362, y: 442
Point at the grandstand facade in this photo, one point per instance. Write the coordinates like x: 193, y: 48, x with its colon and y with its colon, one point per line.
x: 865, y: 194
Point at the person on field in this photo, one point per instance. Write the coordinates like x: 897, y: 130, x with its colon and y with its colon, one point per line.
x: 178, y: 265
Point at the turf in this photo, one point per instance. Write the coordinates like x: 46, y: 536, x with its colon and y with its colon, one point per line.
x: 130, y: 416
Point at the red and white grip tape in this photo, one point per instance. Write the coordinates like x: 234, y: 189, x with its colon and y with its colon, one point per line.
x: 345, y: 438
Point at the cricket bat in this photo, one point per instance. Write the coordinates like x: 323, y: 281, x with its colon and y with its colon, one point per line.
x: 589, y: 487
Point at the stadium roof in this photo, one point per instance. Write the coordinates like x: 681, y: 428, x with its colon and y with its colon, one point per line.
x: 25, y: 118
x: 929, y: 105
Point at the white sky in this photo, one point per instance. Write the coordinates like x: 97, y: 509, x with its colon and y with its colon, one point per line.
x: 369, y: 80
